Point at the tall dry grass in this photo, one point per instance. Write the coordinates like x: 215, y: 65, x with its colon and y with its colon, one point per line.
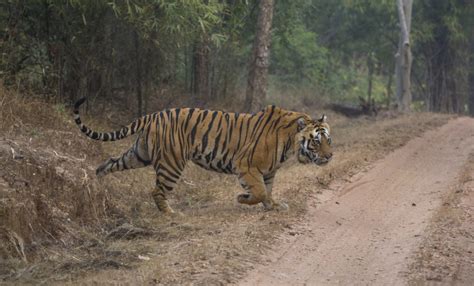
x: 47, y: 197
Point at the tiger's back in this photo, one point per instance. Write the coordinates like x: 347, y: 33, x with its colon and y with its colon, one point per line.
x: 218, y: 140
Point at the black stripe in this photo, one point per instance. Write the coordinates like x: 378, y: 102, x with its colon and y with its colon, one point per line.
x: 190, y: 114
x: 224, y: 157
x: 170, y: 164
x: 285, y: 149
x: 177, y: 115
x: 124, y: 132
x: 229, y: 132
x: 206, y: 134
x: 204, y: 114
x: 258, y: 123
x: 219, y: 124
x: 139, y: 158
x: 240, y: 133
x: 227, y: 118
x: 216, y: 146
x: 236, y: 117
x: 166, y: 178
x: 291, y: 123
x: 260, y: 134
x: 176, y: 176
x: 168, y: 188
x: 194, y: 129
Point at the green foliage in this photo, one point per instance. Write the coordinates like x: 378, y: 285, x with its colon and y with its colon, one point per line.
x: 297, y: 58
x: 441, y: 33
x: 324, y: 44
x: 67, y: 49
x: 180, y: 20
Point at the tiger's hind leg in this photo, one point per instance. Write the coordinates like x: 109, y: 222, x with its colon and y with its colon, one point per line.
x: 133, y: 158
x: 159, y: 196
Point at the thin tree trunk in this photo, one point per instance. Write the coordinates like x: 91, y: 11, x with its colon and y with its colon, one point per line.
x: 370, y: 68
x: 138, y: 82
x: 389, y: 87
x: 404, y: 57
x: 260, y: 60
x: 148, y: 79
x: 60, y: 75
x: 471, y: 75
x: 440, y: 72
x: 192, y: 80
x: 186, y: 68
x: 471, y: 91
x: 201, y: 70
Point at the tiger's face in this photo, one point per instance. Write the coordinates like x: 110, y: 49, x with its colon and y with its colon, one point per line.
x: 314, y: 141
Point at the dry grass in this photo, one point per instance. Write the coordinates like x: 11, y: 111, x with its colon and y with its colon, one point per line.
x: 60, y: 224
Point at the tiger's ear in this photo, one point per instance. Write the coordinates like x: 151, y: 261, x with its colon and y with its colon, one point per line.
x: 301, y: 123
x: 323, y: 118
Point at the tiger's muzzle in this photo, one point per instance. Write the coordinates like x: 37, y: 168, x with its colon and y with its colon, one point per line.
x: 306, y: 156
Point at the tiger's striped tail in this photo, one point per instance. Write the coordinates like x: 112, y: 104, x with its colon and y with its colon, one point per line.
x: 134, y: 127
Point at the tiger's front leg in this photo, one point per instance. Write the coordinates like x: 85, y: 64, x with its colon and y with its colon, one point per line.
x: 268, y: 180
x: 252, y: 182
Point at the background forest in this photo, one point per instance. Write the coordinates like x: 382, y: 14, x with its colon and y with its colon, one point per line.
x: 154, y: 54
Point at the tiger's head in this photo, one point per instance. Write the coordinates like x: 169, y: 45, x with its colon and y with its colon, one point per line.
x: 314, y: 141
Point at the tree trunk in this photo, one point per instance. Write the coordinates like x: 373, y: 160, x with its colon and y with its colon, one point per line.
x: 187, y: 85
x: 471, y: 75
x: 370, y: 70
x: 471, y: 91
x: 389, y: 87
x: 404, y: 57
x: 260, y: 60
x: 201, y: 70
x: 148, y: 78
x: 138, y: 79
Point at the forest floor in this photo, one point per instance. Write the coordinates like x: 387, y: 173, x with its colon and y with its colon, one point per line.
x: 61, y: 225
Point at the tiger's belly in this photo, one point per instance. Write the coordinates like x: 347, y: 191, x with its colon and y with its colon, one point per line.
x: 217, y: 164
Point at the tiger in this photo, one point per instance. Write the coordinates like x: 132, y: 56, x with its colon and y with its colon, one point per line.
x: 251, y: 146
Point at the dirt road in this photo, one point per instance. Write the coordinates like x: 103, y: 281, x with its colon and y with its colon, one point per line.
x: 367, y: 232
